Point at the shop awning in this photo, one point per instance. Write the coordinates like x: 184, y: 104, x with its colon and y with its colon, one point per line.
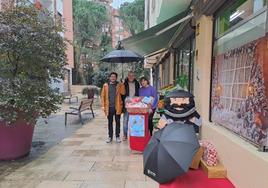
x: 156, y: 38
x: 170, y: 8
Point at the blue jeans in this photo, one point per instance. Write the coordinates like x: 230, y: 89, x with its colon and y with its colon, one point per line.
x: 125, y: 123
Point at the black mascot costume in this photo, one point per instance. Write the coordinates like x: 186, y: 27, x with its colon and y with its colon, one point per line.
x: 180, y: 106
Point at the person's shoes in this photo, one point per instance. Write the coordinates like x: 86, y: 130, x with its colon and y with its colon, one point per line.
x: 109, y: 140
x: 118, y: 140
x: 124, y: 138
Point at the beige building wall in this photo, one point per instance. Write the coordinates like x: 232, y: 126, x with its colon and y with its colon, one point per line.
x: 152, y: 11
x: 203, y: 65
x: 246, y: 167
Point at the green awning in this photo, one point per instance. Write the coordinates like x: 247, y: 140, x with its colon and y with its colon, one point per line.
x: 155, y: 38
x: 171, y: 8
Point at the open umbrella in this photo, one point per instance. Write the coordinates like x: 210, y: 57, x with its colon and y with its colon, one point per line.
x: 170, y: 152
x: 120, y: 55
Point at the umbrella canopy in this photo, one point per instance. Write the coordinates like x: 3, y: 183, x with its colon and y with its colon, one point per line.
x: 170, y: 152
x: 122, y: 56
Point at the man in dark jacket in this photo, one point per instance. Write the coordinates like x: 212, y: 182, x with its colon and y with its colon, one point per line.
x: 132, y: 87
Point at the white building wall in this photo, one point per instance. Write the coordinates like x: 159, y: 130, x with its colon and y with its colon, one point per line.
x: 152, y: 11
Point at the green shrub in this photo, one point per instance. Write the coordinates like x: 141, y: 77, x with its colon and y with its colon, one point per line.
x: 32, y: 55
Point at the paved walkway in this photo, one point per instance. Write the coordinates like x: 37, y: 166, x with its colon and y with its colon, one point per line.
x: 83, y: 160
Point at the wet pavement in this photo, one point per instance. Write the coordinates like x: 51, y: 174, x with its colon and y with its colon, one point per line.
x: 75, y: 156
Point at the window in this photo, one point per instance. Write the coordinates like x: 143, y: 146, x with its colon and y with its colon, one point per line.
x: 117, y: 37
x: 239, y: 99
x: 166, y: 71
x: 234, y: 76
x: 117, y: 29
x: 239, y: 79
x: 156, y: 78
x: 59, y: 5
x: 240, y: 11
x: 47, y: 4
x: 251, y: 30
x: 117, y: 21
x: 184, y: 64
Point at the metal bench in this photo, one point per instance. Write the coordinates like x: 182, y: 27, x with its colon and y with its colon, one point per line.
x: 68, y: 95
x: 84, y: 105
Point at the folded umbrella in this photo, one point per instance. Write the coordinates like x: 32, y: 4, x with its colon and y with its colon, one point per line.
x: 170, y: 152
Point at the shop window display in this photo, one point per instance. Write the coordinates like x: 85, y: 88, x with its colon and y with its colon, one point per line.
x: 239, y: 91
x: 239, y: 85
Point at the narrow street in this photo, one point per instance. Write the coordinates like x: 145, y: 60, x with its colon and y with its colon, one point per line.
x: 82, y: 160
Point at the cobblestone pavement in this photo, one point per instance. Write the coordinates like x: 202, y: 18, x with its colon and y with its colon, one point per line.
x: 81, y: 160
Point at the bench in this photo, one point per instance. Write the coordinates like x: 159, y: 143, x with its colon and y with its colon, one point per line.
x: 68, y: 95
x: 84, y: 105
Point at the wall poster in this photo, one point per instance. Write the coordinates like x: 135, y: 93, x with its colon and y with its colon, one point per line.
x: 136, y: 125
x: 240, y: 90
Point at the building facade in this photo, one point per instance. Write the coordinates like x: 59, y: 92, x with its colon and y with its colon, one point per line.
x: 118, y: 30
x: 219, y: 51
x: 61, y: 10
x: 231, y: 65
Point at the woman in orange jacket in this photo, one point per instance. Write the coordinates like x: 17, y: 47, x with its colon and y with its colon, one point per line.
x: 112, y: 104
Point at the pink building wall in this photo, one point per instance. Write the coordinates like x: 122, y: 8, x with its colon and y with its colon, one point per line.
x: 118, y: 23
x: 68, y: 20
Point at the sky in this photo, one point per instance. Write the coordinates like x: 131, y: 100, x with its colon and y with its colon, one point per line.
x: 117, y: 3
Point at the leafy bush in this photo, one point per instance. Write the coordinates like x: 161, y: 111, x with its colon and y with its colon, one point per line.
x: 32, y: 55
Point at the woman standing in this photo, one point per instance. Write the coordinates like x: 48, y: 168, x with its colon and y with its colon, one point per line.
x: 147, y: 90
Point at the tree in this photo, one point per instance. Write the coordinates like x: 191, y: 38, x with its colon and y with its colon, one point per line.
x: 90, y: 19
x: 32, y: 56
x: 101, y: 76
x: 133, y: 16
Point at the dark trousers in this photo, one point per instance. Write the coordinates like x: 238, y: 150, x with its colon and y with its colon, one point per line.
x: 112, y: 113
x: 150, y: 124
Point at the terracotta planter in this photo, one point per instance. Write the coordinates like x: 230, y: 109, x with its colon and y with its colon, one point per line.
x: 15, y: 140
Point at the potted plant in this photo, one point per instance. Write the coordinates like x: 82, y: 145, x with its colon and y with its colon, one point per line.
x: 183, y: 81
x: 90, y: 91
x: 32, y: 56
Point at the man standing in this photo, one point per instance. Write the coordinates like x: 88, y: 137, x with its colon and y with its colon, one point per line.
x: 132, y: 87
x: 111, y: 100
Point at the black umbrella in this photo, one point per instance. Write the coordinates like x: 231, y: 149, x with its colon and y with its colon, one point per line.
x: 120, y: 55
x: 170, y: 152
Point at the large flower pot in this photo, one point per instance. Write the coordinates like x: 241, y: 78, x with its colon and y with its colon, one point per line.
x: 15, y: 139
